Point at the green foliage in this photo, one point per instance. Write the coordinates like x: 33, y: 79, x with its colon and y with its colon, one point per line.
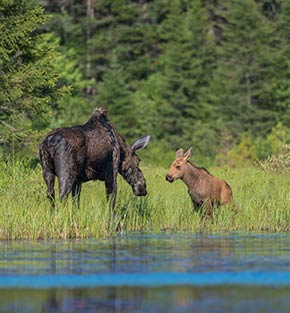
x: 114, y: 93
x: 277, y: 137
x: 213, y: 75
x: 278, y: 162
x: 182, y: 72
x: 244, y: 68
x: 190, y: 73
x: 72, y: 108
x: 248, y: 150
x: 28, y: 81
x: 242, y: 153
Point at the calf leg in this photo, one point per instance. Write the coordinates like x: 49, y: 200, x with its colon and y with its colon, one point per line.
x: 208, y: 206
x: 205, y: 207
x: 196, y: 206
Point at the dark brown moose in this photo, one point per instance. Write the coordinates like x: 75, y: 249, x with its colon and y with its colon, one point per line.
x: 93, y: 151
x: 204, y: 189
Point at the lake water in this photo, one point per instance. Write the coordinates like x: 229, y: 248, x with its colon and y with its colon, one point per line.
x: 148, y: 273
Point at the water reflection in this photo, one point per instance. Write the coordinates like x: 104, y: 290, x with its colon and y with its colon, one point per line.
x: 175, y: 272
x: 144, y: 253
x: 169, y: 299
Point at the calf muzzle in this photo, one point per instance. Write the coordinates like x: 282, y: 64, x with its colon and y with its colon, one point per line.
x: 169, y: 178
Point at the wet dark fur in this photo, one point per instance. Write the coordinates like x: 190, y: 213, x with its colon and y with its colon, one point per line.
x: 93, y: 151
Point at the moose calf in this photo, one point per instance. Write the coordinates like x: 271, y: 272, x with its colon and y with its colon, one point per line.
x: 204, y: 189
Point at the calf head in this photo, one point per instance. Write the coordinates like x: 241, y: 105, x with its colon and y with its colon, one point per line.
x: 130, y: 167
x: 178, y: 166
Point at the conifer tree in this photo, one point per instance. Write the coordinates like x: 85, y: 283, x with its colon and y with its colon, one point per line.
x: 28, y: 81
x: 277, y: 88
x: 189, y: 72
x: 244, y: 66
x: 187, y: 63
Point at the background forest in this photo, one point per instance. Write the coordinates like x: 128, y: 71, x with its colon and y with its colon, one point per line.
x: 212, y: 74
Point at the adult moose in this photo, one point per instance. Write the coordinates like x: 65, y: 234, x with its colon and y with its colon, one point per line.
x: 204, y: 189
x: 93, y: 151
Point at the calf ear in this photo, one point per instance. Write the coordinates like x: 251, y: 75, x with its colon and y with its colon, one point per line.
x: 140, y: 143
x: 187, y: 154
x: 179, y: 153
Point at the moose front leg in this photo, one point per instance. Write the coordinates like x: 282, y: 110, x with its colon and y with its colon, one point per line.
x: 111, y: 173
x: 76, y: 193
x: 111, y: 194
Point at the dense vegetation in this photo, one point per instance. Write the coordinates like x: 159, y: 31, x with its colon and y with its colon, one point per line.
x: 209, y: 74
x: 261, y: 200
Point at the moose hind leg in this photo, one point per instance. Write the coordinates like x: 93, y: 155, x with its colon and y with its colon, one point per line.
x: 49, y: 179
x: 65, y: 187
x: 67, y: 174
x: 66, y: 180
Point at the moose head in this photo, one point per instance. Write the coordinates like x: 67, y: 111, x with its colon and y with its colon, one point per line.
x: 130, y: 167
x: 178, y: 166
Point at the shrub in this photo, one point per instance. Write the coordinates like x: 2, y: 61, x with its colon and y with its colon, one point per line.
x: 279, y: 162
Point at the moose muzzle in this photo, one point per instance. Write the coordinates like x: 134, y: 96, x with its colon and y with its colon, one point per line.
x: 169, y: 178
x: 139, y: 189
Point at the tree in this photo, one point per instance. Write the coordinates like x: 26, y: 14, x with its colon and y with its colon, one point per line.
x: 185, y: 69
x: 28, y: 80
x: 123, y: 51
x: 190, y: 72
x: 277, y: 89
x: 241, y: 81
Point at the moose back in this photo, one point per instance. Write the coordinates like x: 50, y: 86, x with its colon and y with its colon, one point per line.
x: 93, y: 151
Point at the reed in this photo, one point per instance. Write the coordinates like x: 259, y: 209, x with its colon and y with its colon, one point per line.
x: 262, y: 203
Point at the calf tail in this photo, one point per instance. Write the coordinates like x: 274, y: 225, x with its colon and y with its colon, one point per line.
x: 226, y: 194
x: 228, y: 200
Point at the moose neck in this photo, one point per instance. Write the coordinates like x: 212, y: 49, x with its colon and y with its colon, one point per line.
x: 125, y: 153
x: 125, y: 149
x: 192, y: 174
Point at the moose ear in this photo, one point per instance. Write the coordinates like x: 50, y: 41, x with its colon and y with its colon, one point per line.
x: 179, y: 153
x: 187, y: 154
x: 140, y: 143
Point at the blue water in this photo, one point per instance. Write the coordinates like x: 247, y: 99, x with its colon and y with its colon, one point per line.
x: 148, y: 273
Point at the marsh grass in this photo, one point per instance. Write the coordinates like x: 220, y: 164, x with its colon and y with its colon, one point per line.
x: 262, y: 203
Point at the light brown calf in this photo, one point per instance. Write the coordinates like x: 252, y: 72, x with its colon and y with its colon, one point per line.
x: 204, y: 189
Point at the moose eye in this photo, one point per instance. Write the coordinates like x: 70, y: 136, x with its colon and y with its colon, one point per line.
x: 177, y: 167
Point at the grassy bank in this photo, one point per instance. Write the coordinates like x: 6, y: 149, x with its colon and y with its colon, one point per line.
x: 263, y: 199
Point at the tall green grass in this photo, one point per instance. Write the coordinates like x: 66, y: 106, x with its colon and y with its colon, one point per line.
x: 262, y: 203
